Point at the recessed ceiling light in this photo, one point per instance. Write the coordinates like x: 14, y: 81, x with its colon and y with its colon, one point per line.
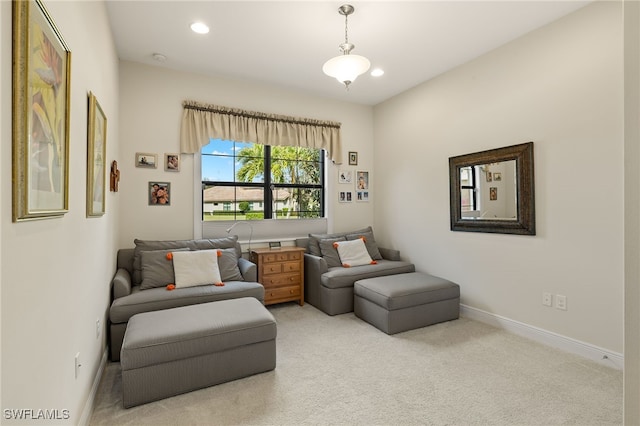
x: 200, y: 28
x: 377, y: 72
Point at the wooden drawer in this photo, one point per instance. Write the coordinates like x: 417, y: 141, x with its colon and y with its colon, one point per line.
x: 272, y: 268
x: 278, y: 268
x: 281, y: 257
x: 281, y: 280
x: 291, y: 266
x: 281, y: 293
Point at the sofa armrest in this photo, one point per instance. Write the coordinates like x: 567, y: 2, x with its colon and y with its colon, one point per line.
x: 121, y: 283
x: 314, y: 267
x: 389, y: 254
x: 248, y: 269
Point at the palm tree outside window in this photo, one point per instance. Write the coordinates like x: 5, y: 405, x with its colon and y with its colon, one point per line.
x: 261, y: 181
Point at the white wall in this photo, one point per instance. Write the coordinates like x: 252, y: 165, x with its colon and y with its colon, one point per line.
x: 56, y: 273
x: 561, y: 87
x: 632, y: 213
x: 150, y: 115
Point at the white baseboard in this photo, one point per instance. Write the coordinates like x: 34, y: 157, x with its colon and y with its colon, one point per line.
x: 85, y: 418
x: 586, y: 350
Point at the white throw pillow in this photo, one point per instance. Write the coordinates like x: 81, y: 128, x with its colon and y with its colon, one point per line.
x: 193, y: 268
x: 353, y: 253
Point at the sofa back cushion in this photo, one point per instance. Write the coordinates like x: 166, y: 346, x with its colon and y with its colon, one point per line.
x: 314, y: 239
x: 370, y: 241
x: 230, y: 242
x: 228, y: 264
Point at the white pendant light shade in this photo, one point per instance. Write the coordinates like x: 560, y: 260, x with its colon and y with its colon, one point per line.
x: 346, y: 68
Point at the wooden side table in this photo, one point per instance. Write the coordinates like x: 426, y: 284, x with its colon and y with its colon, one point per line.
x: 281, y: 272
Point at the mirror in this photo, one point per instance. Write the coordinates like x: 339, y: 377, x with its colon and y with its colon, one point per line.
x: 493, y: 191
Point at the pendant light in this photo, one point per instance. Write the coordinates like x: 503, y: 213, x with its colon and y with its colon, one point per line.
x: 346, y: 67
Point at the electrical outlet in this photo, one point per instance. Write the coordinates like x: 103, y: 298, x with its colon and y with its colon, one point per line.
x: 98, y: 330
x: 77, y: 364
x: 546, y: 299
x: 561, y: 302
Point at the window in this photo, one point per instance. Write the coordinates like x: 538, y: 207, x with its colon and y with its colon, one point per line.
x: 255, y: 181
x: 467, y: 188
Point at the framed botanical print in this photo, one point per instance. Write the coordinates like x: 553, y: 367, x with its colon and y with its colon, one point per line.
x: 41, y: 96
x: 96, y: 151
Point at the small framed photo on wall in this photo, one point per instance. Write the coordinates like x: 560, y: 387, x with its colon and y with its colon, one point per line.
x: 345, y: 176
x: 362, y: 186
x: 362, y: 196
x: 146, y: 160
x: 159, y: 193
x: 172, y: 162
x: 353, y: 158
x: 345, y: 196
x: 493, y: 193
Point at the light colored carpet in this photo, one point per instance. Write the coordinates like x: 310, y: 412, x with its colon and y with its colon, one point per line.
x: 342, y: 371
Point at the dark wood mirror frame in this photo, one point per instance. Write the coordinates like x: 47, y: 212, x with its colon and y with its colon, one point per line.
x: 525, y: 223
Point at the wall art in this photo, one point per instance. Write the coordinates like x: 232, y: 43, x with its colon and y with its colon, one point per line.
x: 114, y: 182
x: 362, y: 186
x: 96, y: 151
x: 146, y: 160
x: 172, y: 162
x: 159, y: 193
x: 345, y: 196
x: 345, y: 176
x: 41, y: 96
x: 353, y: 158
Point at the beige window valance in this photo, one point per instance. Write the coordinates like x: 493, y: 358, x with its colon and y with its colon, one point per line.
x: 201, y: 122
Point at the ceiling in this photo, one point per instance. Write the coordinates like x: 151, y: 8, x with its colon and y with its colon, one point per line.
x: 285, y: 43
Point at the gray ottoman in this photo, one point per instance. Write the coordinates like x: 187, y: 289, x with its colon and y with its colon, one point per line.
x: 168, y: 352
x: 402, y: 302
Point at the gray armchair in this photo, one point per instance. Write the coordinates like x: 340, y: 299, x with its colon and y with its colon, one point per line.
x: 330, y: 288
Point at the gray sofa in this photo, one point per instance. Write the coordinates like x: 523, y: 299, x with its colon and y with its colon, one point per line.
x: 329, y: 286
x: 139, y: 285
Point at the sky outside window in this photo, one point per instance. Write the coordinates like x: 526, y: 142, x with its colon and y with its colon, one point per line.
x: 219, y: 161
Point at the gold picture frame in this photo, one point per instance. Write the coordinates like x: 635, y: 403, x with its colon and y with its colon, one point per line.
x: 41, y: 98
x: 96, y: 152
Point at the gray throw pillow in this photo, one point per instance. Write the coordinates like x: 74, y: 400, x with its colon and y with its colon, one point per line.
x: 228, y: 265
x: 157, y: 270
x: 329, y: 252
x: 369, y: 242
